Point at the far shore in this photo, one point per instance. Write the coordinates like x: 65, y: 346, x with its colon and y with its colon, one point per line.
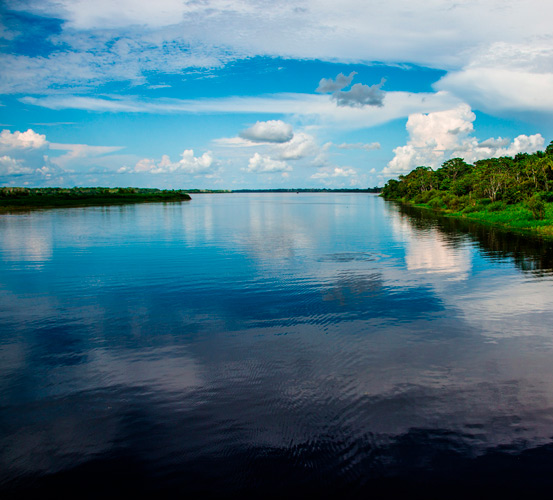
x: 12, y: 198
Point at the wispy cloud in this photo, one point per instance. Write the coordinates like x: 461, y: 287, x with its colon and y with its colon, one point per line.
x: 319, y: 107
x: 359, y: 145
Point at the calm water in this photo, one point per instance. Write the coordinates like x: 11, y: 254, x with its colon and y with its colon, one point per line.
x: 272, y: 343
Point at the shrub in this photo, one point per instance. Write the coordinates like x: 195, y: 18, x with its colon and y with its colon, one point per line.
x: 537, y: 206
x: 437, y: 203
x: 547, y: 196
x: 497, y: 206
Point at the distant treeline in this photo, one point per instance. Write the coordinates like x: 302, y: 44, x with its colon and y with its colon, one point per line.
x: 58, y: 197
x: 309, y: 190
x: 459, y: 186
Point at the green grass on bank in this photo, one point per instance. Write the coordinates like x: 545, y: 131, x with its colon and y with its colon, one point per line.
x: 516, y: 217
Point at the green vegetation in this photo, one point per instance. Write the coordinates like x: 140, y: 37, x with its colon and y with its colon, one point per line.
x: 516, y: 193
x: 18, y: 197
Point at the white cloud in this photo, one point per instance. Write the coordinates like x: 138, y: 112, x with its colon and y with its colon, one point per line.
x: 79, y: 151
x: 11, y: 166
x: 494, y: 62
x: 329, y: 172
x: 436, y: 137
x: 348, y: 31
x: 234, y: 142
x: 21, y: 140
x: 188, y: 164
x: 506, y: 77
x: 265, y: 165
x: 30, y: 153
x: 269, y: 131
x: 520, y: 144
x: 317, y: 108
x: 501, y: 90
x: 301, y: 146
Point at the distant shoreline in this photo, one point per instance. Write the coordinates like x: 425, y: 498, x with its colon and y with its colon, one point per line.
x: 376, y: 190
x: 12, y: 198
x: 20, y: 198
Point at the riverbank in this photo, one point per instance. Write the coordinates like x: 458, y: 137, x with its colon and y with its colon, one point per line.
x: 516, y: 217
x: 12, y: 198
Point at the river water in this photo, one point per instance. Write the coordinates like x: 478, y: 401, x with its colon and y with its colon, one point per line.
x: 272, y: 344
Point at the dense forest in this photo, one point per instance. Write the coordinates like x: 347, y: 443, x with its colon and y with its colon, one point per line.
x: 520, y: 187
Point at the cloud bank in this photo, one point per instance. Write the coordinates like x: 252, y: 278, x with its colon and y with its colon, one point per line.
x: 439, y: 136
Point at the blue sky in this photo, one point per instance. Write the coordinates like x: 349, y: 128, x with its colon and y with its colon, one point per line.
x: 234, y: 94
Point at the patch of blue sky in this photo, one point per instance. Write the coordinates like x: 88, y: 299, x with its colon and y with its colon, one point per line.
x: 33, y: 33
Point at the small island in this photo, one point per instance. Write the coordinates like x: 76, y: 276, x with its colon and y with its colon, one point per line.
x: 13, y: 198
x: 511, y: 192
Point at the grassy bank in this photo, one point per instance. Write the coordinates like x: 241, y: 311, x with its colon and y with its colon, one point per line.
x: 515, y: 217
x: 29, y: 198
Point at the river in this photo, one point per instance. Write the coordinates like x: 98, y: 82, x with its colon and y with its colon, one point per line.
x: 272, y: 344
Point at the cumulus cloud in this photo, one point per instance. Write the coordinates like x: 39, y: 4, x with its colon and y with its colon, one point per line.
x: 265, y: 165
x: 300, y: 146
x: 22, y: 140
x: 30, y: 153
x: 11, y: 166
x: 436, y: 137
x: 21, y: 153
x: 327, y: 85
x: 188, y: 164
x: 269, y: 131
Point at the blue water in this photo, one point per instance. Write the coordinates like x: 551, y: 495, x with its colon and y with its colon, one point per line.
x: 272, y: 344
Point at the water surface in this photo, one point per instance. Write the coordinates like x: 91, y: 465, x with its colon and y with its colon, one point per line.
x: 272, y: 344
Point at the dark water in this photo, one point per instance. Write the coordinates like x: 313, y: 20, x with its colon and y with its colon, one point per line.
x: 266, y: 345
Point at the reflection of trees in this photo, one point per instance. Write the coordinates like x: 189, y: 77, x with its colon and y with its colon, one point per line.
x: 528, y: 252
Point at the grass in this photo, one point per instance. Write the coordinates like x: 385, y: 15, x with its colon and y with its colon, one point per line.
x: 517, y: 217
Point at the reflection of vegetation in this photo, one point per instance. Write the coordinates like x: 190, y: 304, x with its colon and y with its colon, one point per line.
x: 528, y: 254
x: 512, y: 192
x: 17, y: 197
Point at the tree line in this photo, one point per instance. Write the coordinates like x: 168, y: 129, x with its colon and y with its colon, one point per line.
x: 493, y: 183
